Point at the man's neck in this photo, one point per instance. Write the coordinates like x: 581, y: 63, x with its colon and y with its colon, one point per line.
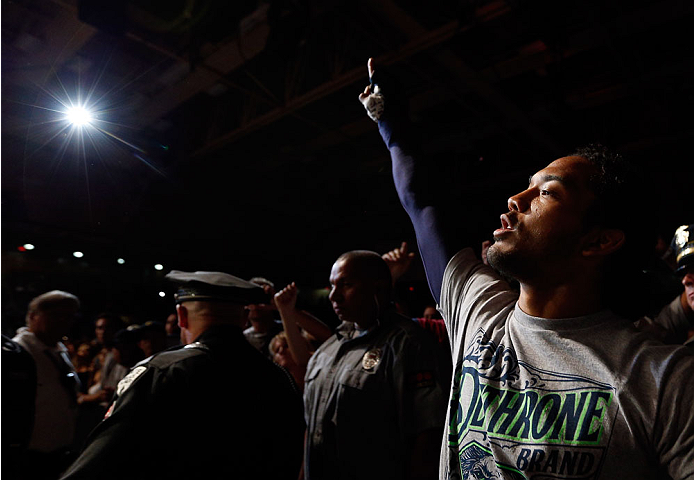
x: 562, y: 301
x: 47, y: 340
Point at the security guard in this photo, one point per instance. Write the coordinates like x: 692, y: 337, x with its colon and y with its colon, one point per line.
x: 374, y: 398
x: 215, y: 408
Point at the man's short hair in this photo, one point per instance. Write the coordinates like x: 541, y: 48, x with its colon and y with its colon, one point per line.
x: 619, y: 187
x: 372, y: 266
x: 53, y: 299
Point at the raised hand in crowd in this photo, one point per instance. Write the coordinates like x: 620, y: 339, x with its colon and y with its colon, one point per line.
x: 292, y: 348
x: 399, y: 261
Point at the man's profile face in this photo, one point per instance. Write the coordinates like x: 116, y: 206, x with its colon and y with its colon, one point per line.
x: 102, y: 330
x: 54, y: 323
x: 688, y: 282
x: 545, y: 221
x: 352, y: 296
x: 171, y: 325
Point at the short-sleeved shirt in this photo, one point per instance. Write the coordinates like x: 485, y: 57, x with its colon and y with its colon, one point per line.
x: 366, y: 397
x: 536, y: 398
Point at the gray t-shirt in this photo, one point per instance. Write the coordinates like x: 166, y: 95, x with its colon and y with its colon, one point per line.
x: 537, y: 398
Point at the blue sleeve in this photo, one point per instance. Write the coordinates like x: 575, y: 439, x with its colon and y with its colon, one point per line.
x: 416, y: 184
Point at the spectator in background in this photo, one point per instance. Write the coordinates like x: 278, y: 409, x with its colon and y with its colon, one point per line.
x: 94, y: 404
x: 209, y: 385
x: 263, y: 326
x: 430, y: 313
x: 105, y: 327
x: 293, y: 362
x: 303, y: 333
x: 150, y: 337
x: 173, y: 333
x: 105, y: 374
x: 674, y: 324
x: 399, y: 262
x: 50, y: 448
x: 373, y: 396
x: 688, y: 282
x: 82, y: 361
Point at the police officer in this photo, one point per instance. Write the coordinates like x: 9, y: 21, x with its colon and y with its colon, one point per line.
x: 374, y: 400
x: 214, y: 408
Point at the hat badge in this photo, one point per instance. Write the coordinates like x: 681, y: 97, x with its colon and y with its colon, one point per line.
x: 682, y: 236
x: 371, y: 359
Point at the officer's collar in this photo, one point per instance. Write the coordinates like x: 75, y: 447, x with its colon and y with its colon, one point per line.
x: 219, y: 332
x: 349, y: 331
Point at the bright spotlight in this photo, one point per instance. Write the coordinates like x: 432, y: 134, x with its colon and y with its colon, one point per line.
x: 28, y: 246
x: 78, y: 116
x: 77, y: 254
x: 120, y: 261
x: 162, y: 294
x: 159, y: 266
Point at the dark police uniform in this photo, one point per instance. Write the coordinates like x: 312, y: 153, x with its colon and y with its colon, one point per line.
x: 216, y: 408
x: 367, y: 396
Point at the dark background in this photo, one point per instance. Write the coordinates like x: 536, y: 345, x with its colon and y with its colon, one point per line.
x: 229, y: 135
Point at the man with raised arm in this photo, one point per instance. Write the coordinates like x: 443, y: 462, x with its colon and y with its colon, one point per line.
x: 548, y: 383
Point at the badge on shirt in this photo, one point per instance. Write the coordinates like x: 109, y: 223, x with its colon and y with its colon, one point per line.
x: 371, y: 359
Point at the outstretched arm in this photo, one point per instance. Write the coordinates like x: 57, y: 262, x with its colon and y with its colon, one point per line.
x: 414, y: 182
x: 292, y: 319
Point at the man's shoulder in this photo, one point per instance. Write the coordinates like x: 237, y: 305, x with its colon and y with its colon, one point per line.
x: 326, y: 345
x: 465, y: 264
x: 25, y: 338
x: 400, y: 328
x: 175, y: 355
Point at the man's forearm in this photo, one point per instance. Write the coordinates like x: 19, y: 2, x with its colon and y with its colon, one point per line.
x: 416, y: 190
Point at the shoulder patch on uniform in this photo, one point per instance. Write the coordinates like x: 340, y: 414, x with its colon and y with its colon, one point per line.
x: 134, y: 374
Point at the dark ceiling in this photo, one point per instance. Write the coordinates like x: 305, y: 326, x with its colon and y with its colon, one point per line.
x: 229, y: 135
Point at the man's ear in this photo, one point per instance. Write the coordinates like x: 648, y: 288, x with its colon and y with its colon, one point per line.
x: 603, y: 241
x: 182, y: 313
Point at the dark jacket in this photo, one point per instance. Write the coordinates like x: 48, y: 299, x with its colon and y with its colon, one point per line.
x: 212, y: 409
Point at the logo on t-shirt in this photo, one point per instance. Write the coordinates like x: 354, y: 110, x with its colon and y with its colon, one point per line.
x: 514, y: 420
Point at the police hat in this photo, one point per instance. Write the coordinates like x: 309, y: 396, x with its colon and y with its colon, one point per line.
x: 683, y: 244
x: 215, y: 286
